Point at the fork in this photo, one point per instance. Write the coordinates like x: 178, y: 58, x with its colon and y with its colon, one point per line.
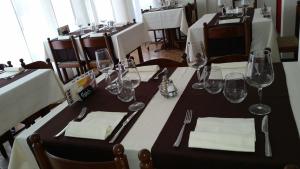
x: 187, y: 120
x: 79, y: 117
x: 157, y: 76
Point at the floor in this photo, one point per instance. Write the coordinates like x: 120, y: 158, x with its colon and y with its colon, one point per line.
x: 153, y: 53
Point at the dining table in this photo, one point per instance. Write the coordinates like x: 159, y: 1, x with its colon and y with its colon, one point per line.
x: 157, y: 125
x: 135, y: 33
x: 167, y: 19
x: 25, y: 93
x: 262, y: 27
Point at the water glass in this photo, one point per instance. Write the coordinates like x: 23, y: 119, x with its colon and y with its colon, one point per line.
x: 235, y: 89
x: 127, y: 92
x: 213, y: 80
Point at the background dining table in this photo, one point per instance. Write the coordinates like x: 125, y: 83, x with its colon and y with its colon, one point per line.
x: 25, y: 94
x: 263, y: 34
x: 153, y: 124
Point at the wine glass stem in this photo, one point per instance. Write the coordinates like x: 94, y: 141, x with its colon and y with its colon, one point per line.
x: 107, y: 78
x: 260, y: 94
x: 134, y: 98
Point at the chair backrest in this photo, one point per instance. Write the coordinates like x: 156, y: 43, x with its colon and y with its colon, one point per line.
x: 145, y: 159
x: 9, y: 64
x: 64, y: 50
x: 37, y: 64
x: 46, y: 160
x: 90, y: 45
x: 191, y: 13
x: 227, y: 39
x: 162, y: 62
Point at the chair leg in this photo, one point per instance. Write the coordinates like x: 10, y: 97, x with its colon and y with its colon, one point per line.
x: 140, y: 52
x: 3, y: 151
x: 155, y: 37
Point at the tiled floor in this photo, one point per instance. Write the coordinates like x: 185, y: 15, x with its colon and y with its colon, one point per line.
x: 153, y: 53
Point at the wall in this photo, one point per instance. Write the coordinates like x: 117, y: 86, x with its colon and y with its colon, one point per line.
x: 288, y: 17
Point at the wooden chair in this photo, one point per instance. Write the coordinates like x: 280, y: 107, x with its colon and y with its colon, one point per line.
x: 37, y: 64
x: 90, y: 45
x: 163, y: 63
x: 7, y: 136
x: 46, y: 160
x: 9, y: 64
x: 65, y: 55
x: 227, y: 39
x: 145, y: 159
x: 191, y: 13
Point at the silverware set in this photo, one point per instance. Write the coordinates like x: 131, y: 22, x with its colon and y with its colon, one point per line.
x: 158, y: 74
x: 187, y: 120
x: 265, y: 130
x: 123, y: 125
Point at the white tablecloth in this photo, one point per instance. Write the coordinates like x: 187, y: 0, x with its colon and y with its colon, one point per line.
x: 263, y: 34
x: 147, y: 128
x: 27, y: 95
x: 124, y: 42
x: 129, y: 39
x: 164, y: 19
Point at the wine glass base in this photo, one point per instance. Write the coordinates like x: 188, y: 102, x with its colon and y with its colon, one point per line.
x: 136, y: 106
x: 259, y: 109
x: 198, y: 86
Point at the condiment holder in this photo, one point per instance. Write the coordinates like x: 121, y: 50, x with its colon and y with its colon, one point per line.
x: 167, y: 87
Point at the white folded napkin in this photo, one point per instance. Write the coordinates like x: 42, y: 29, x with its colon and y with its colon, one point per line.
x: 237, y: 67
x: 65, y: 37
x: 13, y: 69
x: 146, y: 72
x: 225, y: 21
x: 120, y: 24
x: 232, y: 134
x: 96, y: 125
x: 86, y: 35
x: 96, y: 34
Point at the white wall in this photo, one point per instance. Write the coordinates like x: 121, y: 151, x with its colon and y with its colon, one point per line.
x: 288, y: 17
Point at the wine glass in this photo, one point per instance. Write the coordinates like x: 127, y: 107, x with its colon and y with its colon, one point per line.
x: 213, y: 79
x: 198, y: 61
x: 260, y: 74
x: 105, y: 64
x: 235, y: 89
x: 133, y: 80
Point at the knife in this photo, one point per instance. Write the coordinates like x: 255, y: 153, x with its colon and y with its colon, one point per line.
x: 123, y: 125
x: 265, y: 130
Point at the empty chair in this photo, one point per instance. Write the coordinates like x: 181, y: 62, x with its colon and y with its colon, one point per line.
x: 7, y: 136
x: 145, y: 159
x: 227, y: 39
x: 90, y: 45
x: 37, y: 64
x: 163, y: 63
x: 9, y: 64
x: 191, y: 13
x: 46, y: 160
x: 65, y: 55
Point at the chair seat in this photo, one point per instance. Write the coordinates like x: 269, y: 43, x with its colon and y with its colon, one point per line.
x: 288, y: 44
x: 70, y: 64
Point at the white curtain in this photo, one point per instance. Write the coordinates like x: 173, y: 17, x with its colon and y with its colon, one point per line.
x: 37, y: 20
x: 80, y: 12
x: 12, y: 43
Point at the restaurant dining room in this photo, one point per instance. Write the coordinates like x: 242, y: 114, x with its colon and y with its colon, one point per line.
x: 149, y: 84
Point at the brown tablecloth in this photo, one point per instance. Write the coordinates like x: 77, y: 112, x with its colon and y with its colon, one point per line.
x: 4, y: 82
x: 284, y: 136
x: 90, y: 149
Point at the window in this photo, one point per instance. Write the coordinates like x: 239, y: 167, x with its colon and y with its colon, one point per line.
x: 104, y: 10
x: 64, y: 14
